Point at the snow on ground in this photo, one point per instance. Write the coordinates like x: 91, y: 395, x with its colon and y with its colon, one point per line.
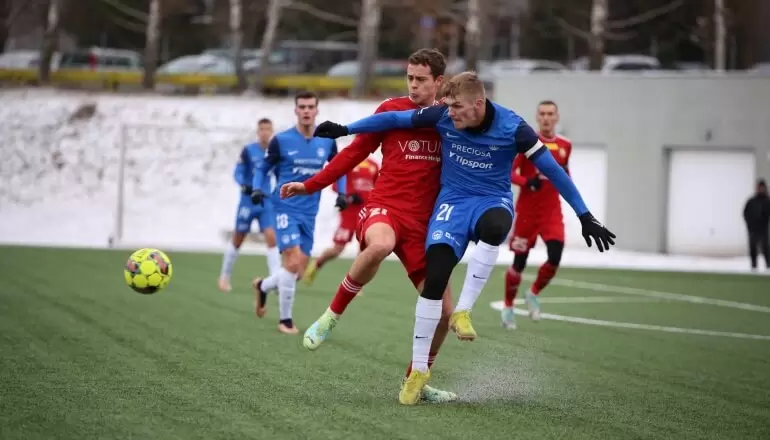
x: 60, y: 175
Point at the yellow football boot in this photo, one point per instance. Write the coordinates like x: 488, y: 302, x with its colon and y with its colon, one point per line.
x: 411, y: 388
x: 460, y: 322
x: 310, y: 272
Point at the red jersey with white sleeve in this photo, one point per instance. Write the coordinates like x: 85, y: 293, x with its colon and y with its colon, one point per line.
x: 406, y: 189
x: 538, y: 212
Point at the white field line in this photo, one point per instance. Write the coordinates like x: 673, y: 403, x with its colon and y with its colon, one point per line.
x: 597, y: 287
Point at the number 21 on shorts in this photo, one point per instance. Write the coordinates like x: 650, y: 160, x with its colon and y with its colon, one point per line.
x: 444, y: 212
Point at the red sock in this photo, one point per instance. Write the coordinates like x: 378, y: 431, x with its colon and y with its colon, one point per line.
x: 544, y: 276
x: 348, y: 290
x: 512, y: 281
x: 431, y: 358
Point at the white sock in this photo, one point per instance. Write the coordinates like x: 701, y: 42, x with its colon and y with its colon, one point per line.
x: 271, y: 282
x: 480, y: 266
x: 287, y: 283
x: 231, y: 254
x: 427, y: 314
x: 273, y: 260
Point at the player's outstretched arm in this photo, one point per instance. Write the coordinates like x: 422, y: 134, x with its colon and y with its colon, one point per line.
x: 362, y: 146
x: 528, y: 144
x: 260, y: 173
x: 379, y: 122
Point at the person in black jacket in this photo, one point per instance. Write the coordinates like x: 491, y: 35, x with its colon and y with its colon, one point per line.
x: 757, y: 217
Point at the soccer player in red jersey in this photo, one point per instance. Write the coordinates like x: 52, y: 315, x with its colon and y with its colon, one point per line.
x: 360, y: 183
x: 538, y: 213
x: 395, y: 218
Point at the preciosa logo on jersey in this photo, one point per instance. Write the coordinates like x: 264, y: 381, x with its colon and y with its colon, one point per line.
x: 471, y: 150
x: 421, y: 150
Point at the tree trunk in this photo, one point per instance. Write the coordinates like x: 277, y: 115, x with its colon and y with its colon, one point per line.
x: 472, y: 36
x: 237, y: 41
x: 719, y: 36
x: 368, y: 36
x: 268, y: 41
x: 50, y: 40
x: 151, y: 45
x: 599, y: 13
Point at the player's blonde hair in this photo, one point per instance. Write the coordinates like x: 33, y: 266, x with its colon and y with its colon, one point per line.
x: 465, y: 83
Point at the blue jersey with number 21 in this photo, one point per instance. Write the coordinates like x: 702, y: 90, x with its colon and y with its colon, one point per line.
x: 476, y: 166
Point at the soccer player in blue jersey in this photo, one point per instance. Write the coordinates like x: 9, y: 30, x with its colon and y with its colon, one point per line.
x: 251, y: 156
x: 479, y: 142
x: 294, y: 155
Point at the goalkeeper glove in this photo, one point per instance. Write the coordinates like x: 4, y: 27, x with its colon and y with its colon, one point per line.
x: 593, y: 229
x: 534, y: 183
x: 258, y: 197
x: 355, y: 199
x: 341, y: 202
x: 331, y: 130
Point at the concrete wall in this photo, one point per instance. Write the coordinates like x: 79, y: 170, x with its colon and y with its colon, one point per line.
x: 639, y: 120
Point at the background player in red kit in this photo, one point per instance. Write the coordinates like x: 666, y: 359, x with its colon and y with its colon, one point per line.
x: 360, y: 184
x: 395, y: 219
x: 538, y: 213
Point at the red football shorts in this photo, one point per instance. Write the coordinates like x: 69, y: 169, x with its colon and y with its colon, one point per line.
x: 410, y: 238
x: 526, y: 229
x: 348, y: 223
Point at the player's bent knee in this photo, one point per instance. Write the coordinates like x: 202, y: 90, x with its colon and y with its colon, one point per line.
x: 238, y: 239
x: 493, y: 226
x: 554, y: 249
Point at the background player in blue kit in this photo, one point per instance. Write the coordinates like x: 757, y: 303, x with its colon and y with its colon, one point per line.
x: 252, y: 155
x: 479, y: 142
x: 295, y: 155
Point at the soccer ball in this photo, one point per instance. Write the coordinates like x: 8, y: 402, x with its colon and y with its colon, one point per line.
x: 148, y: 271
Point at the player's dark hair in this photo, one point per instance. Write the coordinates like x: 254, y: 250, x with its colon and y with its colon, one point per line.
x: 305, y: 95
x: 264, y: 121
x: 432, y: 58
x: 548, y: 102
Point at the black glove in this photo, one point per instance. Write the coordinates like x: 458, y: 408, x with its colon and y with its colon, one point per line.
x: 354, y: 199
x: 593, y: 229
x: 331, y: 130
x: 342, y: 202
x: 534, y: 183
x: 246, y: 189
x: 258, y: 197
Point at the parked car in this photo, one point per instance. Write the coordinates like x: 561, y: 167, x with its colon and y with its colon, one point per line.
x: 619, y: 63
x: 101, y: 59
x: 26, y: 59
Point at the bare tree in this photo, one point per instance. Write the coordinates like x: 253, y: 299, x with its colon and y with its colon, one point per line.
x: 268, y: 40
x: 719, y: 36
x: 368, y: 38
x: 599, y: 14
x: 472, y: 36
x: 151, y: 46
x: 603, y: 29
x: 237, y: 40
x: 50, y: 40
